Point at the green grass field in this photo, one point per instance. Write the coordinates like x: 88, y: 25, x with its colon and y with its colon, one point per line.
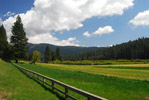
x: 128, y: 71
x: 14, y: 85
x: 114, y: 82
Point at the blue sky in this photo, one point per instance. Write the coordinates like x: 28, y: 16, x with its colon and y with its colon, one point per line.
x: 71, y: 29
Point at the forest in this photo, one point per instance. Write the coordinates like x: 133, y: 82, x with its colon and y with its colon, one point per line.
x: 137, y: 49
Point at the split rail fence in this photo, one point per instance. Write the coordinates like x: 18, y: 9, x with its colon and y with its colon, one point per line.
x: 43, y: 79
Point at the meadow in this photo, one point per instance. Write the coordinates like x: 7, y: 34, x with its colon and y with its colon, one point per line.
x: 128, y: 71
x: 102, y: 62
x: 14, y: 85
x: 114, y: 82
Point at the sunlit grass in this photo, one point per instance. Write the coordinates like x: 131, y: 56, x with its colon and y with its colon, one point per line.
x: 84, y: 77
x: 128, y: 71
x: 14, y: 85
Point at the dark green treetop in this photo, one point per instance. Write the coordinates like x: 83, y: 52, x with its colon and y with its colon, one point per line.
x: 47, y: 54
x: 58, y: 54
x: 53, y: 56
x: 19, y: 40
x: 3, y: 40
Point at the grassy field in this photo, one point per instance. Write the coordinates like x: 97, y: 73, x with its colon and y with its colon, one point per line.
x: 14, y: 85
x: 102, y: 62
x: 128, y: 71
x: 114, y: 82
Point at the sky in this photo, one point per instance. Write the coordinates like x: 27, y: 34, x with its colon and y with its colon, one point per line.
x: 89, y: 23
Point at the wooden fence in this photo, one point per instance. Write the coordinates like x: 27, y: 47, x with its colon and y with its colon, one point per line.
x: 43, y: 79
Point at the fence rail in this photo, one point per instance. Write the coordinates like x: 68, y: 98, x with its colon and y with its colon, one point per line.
x: 38, y: 76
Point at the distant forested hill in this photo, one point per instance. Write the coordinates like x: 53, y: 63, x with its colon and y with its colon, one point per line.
x: 137, y: 49
x: 65, y: 50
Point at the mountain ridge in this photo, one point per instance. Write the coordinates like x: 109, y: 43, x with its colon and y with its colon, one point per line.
x: 65, y: 50
x: 136, y: 49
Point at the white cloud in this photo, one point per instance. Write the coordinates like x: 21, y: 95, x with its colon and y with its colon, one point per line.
x: 1, y: 21
x: 58, y: 15
x: 104, y: 30
x: 98, y: 45
x: 141, y: 18
x: 111, y: 45
x: 48, y: 38
x: 100, y: 31
x: 87, y: 34
x: 9, y: 13
x: 69, y: 42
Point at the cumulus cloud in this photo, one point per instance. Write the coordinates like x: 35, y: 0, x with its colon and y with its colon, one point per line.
x: 9, y: 13
x: 48, y: 38
x: 0, y: 21
x: 69, y: 42
x: 104, y: 30
x: 58, y: 15
x: 142, y: 18
x: 100, y: 31
x: 87, y: 34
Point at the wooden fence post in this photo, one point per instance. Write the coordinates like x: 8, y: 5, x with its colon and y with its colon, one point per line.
x: 44, y: 80
x: 66, y: 92
x: 37, y: 76
x: 52, y: 85
x: 30, y: 74
x: 88, y: 98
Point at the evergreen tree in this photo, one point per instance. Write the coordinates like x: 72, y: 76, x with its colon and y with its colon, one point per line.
x: 3, y: 40
x: 7, y: 54
x: 47, y: 54
x: 58, y: 55
x: 18, y: 40
x: 53, y: 56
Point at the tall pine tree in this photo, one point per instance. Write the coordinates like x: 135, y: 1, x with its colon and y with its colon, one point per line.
x: 58, y: 54
x: 18, y: 40
x: 3, y: 40
x: 53, y: 56
x: 47, y: 54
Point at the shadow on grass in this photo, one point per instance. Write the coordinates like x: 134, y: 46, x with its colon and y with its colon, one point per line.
x: 46, y: 88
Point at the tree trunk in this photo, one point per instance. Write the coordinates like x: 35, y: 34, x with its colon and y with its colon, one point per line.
x: 16, y: 60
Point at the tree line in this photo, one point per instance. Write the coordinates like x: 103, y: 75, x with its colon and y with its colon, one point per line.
x: 137, y: 49
x: 48, y: 56
x: 17, y: 48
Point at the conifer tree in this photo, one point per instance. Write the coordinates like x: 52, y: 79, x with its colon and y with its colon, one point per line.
x: 53, y: 56
x: 47, y: 54
x: 3, y: 40
x: 57, y: 52
x: 19, y: 40
x: 58, y: 55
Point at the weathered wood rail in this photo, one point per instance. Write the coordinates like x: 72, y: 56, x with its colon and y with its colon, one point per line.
x: 43, y: 79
